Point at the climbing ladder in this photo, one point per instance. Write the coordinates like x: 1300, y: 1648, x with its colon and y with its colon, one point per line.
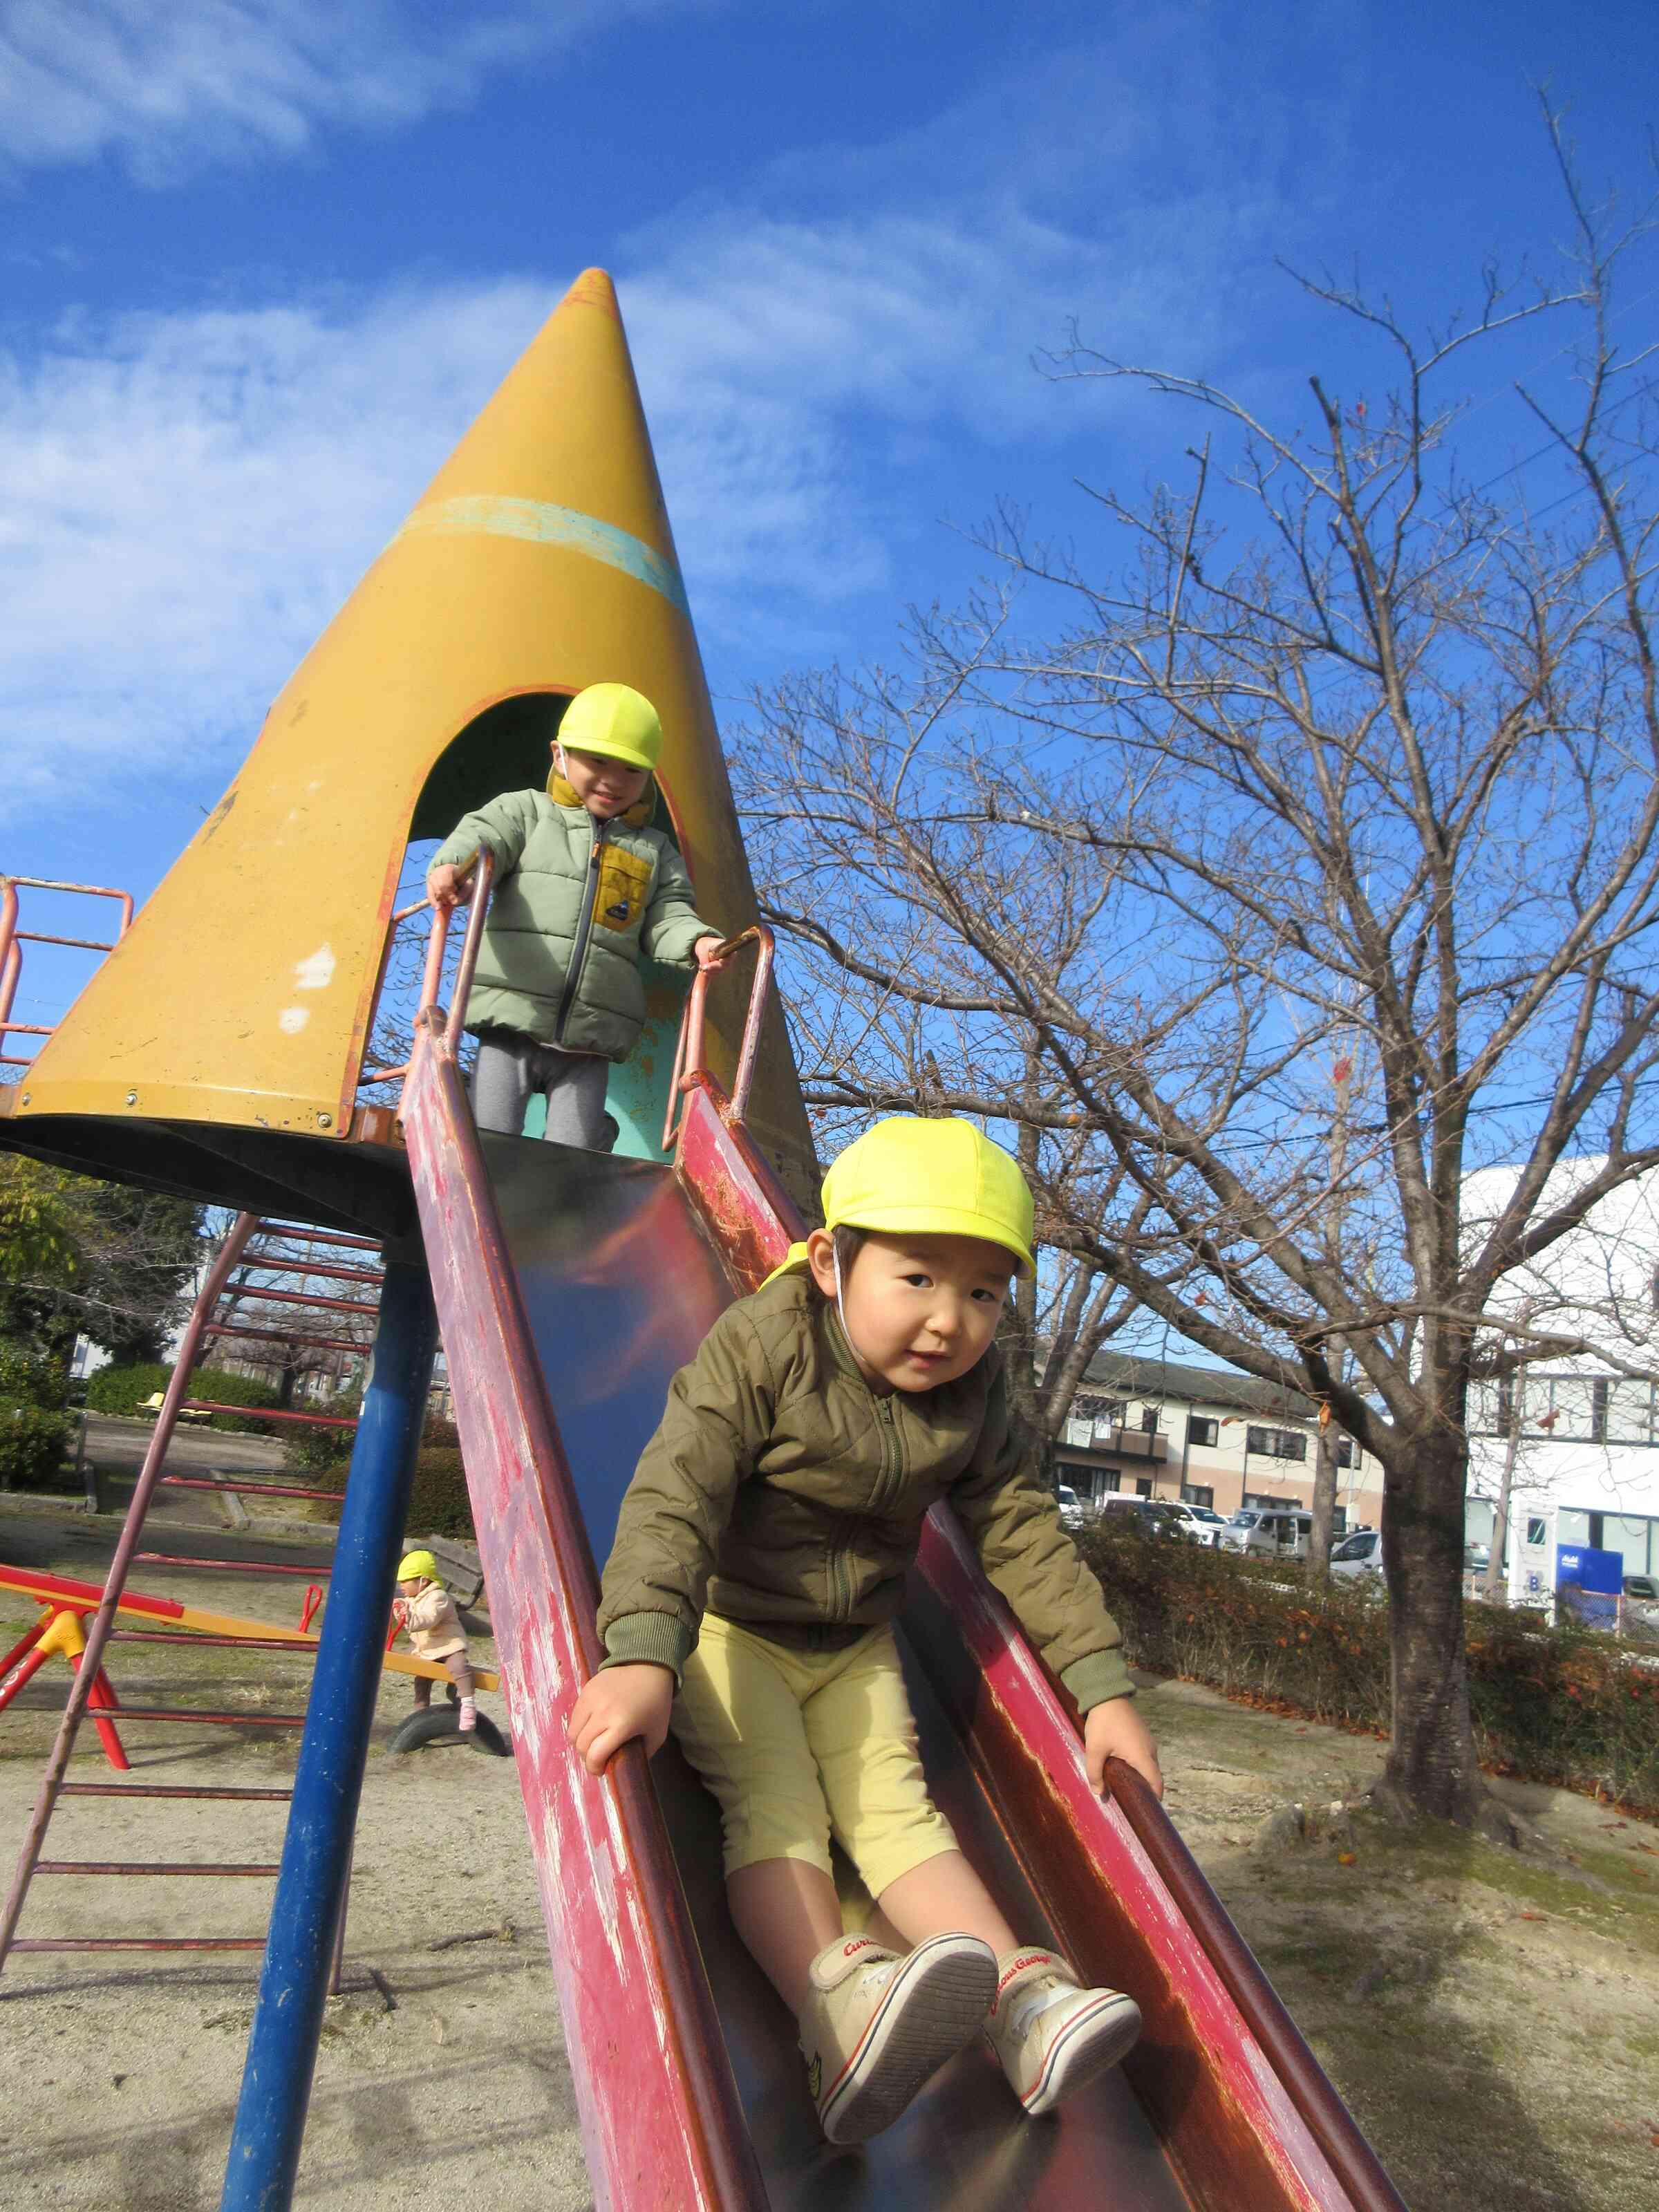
x: 254, y: 1249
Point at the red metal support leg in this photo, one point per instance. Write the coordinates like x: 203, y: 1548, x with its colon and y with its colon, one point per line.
x: 101, y: 1699
x: 26, y: 1643
x: 27, y: 1666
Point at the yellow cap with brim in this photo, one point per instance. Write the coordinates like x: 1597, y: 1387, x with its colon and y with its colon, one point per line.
x: 914, y: 1177
x: 418, y: 1563
x: 615, y: 719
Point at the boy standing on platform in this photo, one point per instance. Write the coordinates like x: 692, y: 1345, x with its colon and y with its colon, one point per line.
x: 583, y: 888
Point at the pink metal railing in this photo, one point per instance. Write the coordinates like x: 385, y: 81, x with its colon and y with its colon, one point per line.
x: 689, y: 1052
x: 12, y: 940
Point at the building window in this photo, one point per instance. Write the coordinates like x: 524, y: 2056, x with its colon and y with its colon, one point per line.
x: 1110, y: 1479
x: 1277, y: 1443
x: 1143, y: 1486
x: 1345, y: 1453
x: 1198, y: 1493
x: 1339, y: 1520
x: 1537, y: 1531
x: 1201, y: 1429
x: 1598, y: 1413
x: 1149, y: 1420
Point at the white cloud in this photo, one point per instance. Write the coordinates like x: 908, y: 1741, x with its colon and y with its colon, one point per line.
x: 191, y: 495
x: 171, y: 83
x: 189, y: 498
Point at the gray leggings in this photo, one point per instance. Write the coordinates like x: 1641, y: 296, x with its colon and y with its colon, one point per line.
x: 511, y: 1069
x: 459, y: 1667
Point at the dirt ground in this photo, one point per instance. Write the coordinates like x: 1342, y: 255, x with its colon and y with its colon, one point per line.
x: 1492, y: 2017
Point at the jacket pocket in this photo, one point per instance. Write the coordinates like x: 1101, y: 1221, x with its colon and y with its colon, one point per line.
x: 624, y: 888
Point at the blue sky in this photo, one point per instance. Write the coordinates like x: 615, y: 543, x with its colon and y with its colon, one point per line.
x: 263, y: 259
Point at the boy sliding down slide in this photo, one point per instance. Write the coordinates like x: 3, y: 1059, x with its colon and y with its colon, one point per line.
x: 761, y: 1553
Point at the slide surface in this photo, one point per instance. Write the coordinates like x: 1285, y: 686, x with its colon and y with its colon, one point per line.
x: 570, y: 1287
x: 619, y: 1286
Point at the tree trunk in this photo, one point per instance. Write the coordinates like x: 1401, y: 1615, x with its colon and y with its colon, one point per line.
x: 1324, y: 1502
x: 1430, y: 1768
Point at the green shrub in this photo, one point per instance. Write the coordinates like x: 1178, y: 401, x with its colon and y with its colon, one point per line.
x: 1560, y: 1706
x: 129, y: 1390
x: 124, y: 1389
x: 317, y: 1452
x: 27, y: 1379
x: 218, y: 1382
x: 438, y: 1504
x: 32, y: 1440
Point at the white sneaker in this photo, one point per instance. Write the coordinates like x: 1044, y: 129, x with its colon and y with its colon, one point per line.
x: 1050, y: 2036
x: 467, y: 1720
x: 874, y: 2026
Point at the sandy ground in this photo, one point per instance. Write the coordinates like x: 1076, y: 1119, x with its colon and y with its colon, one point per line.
x: 1492, y: 2017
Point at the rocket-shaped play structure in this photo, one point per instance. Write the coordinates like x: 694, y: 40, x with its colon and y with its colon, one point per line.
x: 226, y: 1048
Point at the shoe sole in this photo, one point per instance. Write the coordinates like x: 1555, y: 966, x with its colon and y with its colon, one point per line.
x: 1096, y: 2039
x: 933, y: 2007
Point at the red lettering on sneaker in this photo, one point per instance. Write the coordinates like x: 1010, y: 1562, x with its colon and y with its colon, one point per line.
x: 859, y: 1943
x: 1019, y: 1966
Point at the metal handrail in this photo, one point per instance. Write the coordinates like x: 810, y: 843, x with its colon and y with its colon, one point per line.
x: 12, y: 940
x: 445, y: 1032
x: 689, y: 1062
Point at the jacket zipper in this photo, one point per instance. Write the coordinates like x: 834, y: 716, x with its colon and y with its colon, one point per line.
x: 892, y: 1453
x: 584, y: 930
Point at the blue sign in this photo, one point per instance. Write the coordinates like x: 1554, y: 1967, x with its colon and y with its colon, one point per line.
x: 1588, y: 1583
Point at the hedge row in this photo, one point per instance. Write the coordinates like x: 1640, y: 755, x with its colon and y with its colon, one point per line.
x: 438, y: 1504
x: 1558, y: 1706
x: 129, y: 1389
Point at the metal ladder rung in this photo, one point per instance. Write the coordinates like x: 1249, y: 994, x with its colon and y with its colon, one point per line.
x: 225, y: 1720
x: 167, y: 1789
x: 138, y: 1943
x: 145, y: 1866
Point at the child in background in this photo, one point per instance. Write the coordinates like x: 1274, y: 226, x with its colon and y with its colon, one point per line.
x: 760, y: 1555
x: 582, y: 889
x: 426, y: 1611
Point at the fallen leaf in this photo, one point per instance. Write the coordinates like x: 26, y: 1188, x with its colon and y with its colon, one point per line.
x: 1345, y: 1858
x: 1531, y: 1915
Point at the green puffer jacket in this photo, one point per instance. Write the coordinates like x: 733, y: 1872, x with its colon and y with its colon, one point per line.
x: 781, y: 1491
x: 576, y: 903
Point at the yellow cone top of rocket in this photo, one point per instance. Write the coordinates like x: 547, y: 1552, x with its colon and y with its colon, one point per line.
x: 537, y: 569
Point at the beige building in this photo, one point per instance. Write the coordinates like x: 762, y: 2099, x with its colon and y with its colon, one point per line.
x: 1149, y: 1429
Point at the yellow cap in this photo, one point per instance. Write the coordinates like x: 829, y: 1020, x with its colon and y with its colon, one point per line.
x: 929, y: 1178
x: 615, y: 719
x: 418, y: 1563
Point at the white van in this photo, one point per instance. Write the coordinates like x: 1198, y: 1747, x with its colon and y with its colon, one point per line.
x: 1268, y: 1533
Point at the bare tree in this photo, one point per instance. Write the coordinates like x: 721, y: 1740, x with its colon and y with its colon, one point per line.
x: 1336, y: 760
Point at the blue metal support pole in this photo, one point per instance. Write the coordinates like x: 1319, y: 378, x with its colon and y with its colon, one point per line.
x: 282, y: 2053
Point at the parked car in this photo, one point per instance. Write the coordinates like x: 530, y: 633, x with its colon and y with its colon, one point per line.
x: 1153, y: 1517
x: 1070, y: 1507
x: 1199, y: 1524
x: 1268, y: 1533
x: 1358, y: 1557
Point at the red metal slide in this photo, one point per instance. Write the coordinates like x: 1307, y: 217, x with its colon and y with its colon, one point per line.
x: 569, y: 1287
